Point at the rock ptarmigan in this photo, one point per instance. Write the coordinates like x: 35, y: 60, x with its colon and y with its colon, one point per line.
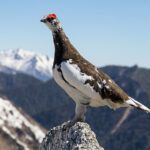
x: 83, y: 82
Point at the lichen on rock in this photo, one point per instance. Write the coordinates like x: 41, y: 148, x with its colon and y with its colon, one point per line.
x: 78, y: 137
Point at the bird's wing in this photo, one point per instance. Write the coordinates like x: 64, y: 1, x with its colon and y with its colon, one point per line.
x: 93, y: 83
x: 77, y: 79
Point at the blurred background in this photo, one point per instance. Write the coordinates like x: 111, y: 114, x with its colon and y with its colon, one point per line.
x: 113, y: 35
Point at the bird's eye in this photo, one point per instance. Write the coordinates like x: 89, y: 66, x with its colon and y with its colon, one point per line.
x: 50, y: 19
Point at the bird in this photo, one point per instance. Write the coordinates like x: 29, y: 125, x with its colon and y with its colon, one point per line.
x: 86, y: 84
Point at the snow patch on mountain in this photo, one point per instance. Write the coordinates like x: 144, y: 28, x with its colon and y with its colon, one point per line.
x: 28, y: 62
x: 19, y: 127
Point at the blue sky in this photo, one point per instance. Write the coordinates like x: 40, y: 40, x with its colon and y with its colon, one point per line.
x: 104, y: 31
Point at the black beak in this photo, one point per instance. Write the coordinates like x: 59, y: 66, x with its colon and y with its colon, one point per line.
x: 43, y: 20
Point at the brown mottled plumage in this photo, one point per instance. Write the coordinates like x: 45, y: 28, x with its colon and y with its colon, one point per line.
x: 85, y: 83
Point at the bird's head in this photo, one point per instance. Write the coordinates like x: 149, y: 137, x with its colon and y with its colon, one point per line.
x: 51, y: 22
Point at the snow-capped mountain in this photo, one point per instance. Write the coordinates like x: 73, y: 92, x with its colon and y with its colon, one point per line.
x: 28, y: 62
x: 18, y: 130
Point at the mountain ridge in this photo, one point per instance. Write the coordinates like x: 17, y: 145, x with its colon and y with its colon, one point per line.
x: 28, y: 62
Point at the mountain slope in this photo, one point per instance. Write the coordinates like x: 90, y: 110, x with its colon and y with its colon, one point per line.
x: 8, y: 81
x: 17, y: 130
x: 31, y: 63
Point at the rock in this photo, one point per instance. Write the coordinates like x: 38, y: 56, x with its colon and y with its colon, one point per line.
x: 78, y: 137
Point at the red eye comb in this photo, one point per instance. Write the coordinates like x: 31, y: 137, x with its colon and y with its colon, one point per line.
x: 51, y: 16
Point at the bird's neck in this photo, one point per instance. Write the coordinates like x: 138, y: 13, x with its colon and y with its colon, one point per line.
x: 62, y: 46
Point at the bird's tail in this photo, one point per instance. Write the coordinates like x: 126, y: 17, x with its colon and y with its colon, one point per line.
x: 138, y: 105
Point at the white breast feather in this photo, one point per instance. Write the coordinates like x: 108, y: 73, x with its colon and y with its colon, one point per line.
x: 76, y: 95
